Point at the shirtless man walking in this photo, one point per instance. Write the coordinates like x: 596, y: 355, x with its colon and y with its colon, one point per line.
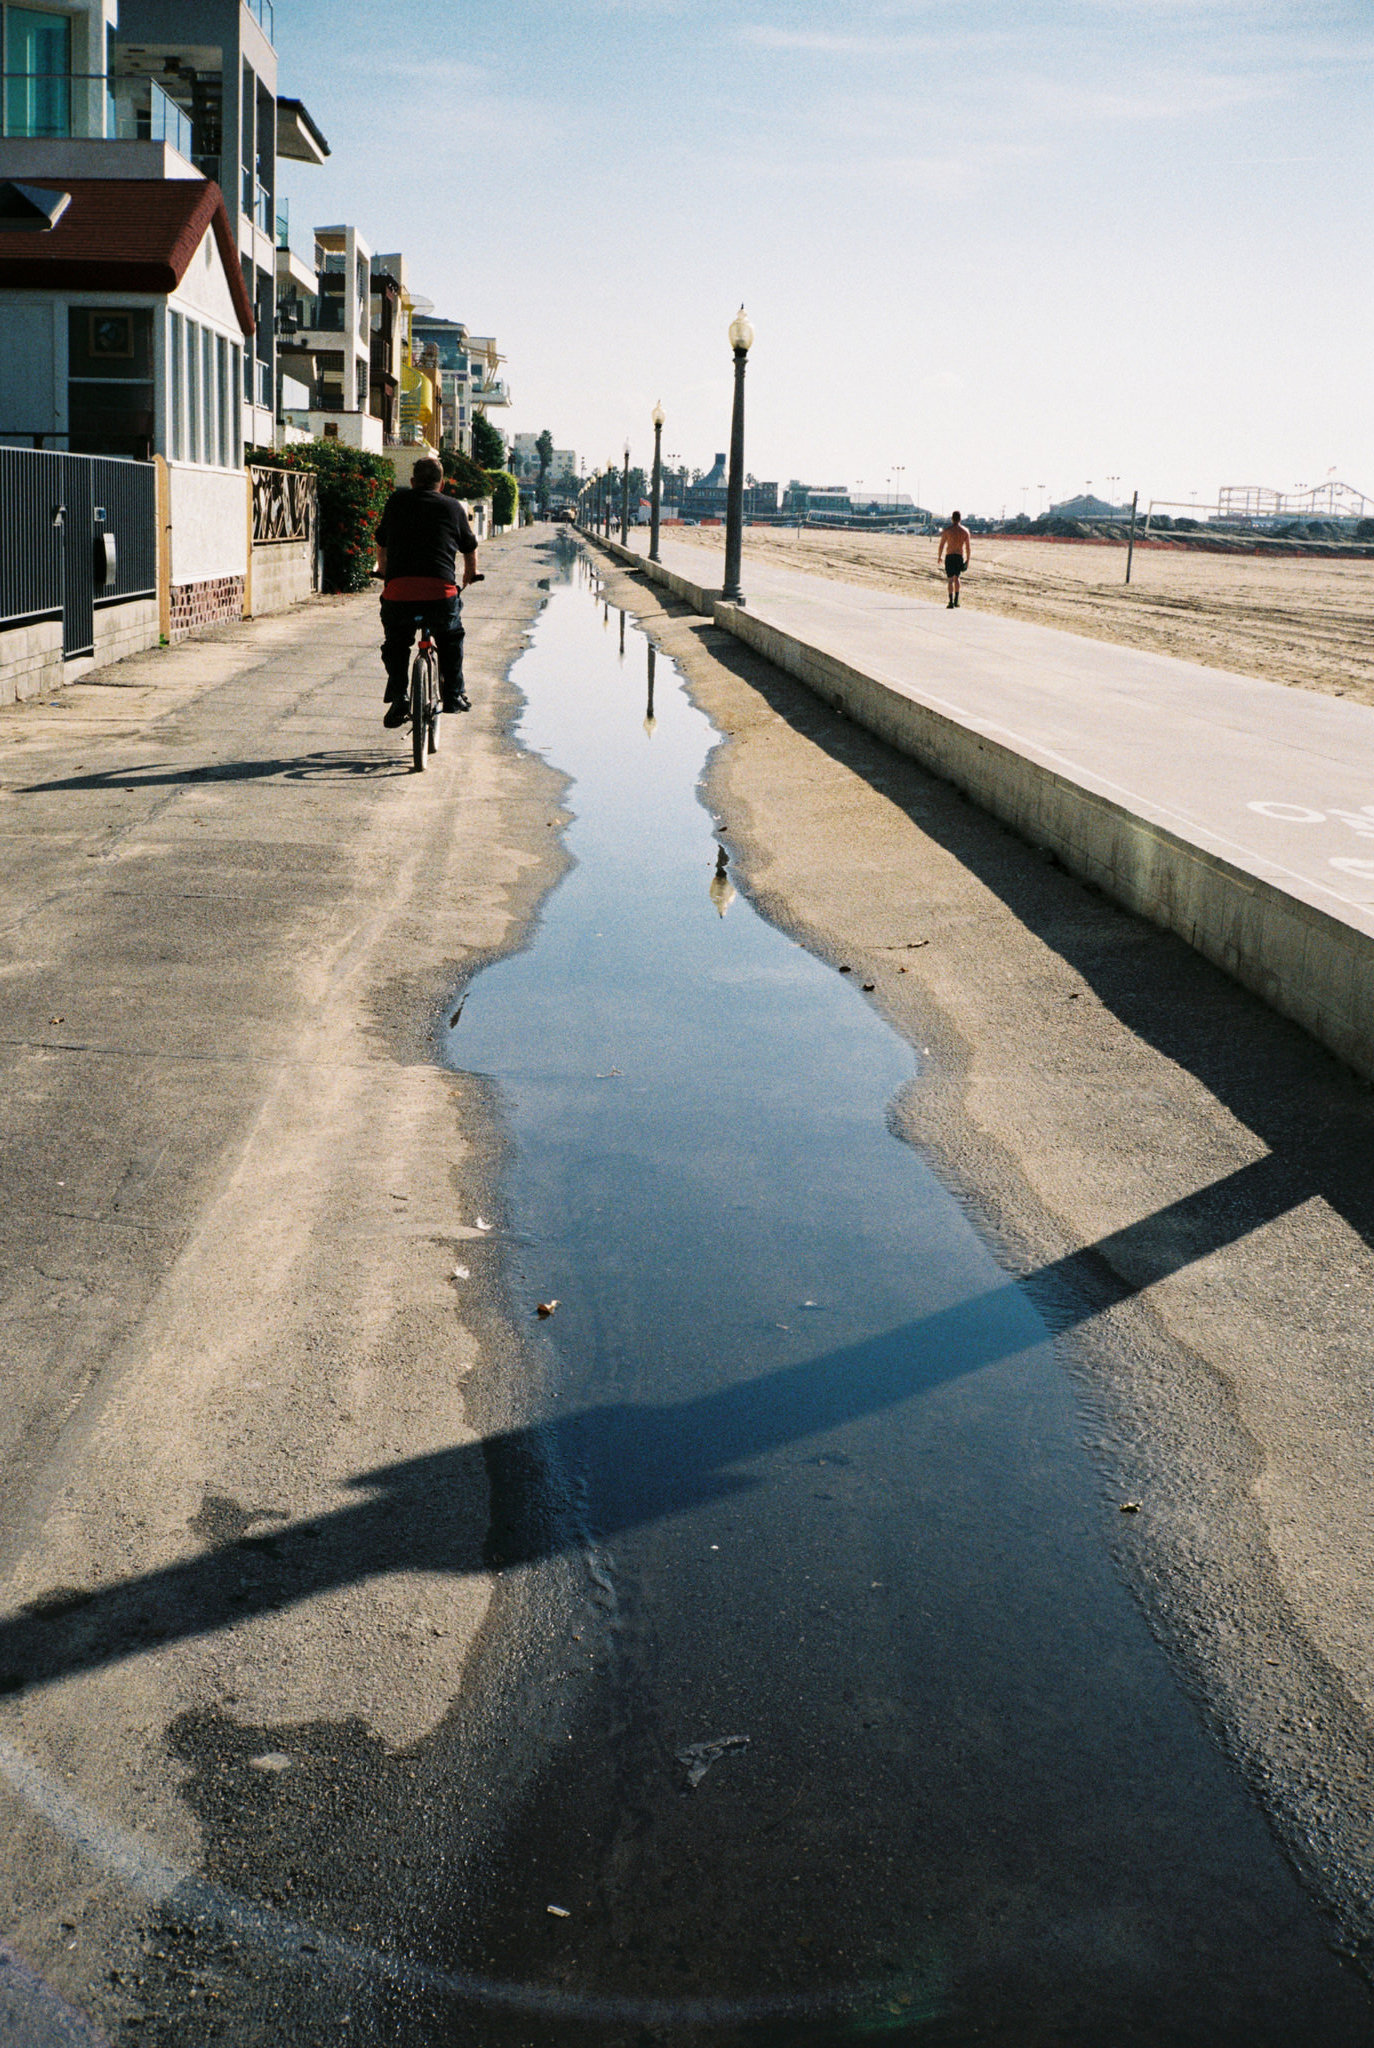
x: 956, y: 545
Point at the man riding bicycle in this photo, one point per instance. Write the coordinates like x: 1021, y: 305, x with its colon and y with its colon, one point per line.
x: 419, y: 538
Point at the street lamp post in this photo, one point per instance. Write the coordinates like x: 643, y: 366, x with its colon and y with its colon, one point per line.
x: 625, y: 500
x: 656, y: 489
x: 741, y: 340
x: 611, y: 467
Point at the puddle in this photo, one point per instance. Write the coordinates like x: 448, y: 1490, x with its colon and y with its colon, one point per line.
x: 833, y: 1501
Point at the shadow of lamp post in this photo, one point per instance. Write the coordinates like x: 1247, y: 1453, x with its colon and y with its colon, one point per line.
x: 656, y: 492
x: 741, y: 340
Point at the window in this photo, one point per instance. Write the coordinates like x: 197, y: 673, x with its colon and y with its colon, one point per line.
x: 225, y: 392
x: 193, y: 444
x: 38, y: 73
x: 110, y: 380
x: 207, y: 394
x: 235, y: 410
x: 176, y: 372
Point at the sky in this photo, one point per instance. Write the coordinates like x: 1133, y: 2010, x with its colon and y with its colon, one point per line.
x: 994, y: 252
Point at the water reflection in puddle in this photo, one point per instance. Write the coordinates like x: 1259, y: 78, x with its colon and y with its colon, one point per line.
x: 832, y: 1495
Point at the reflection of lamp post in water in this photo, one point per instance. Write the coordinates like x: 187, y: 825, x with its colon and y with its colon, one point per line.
x: 622, y: 636
x: 650, y: 722
x: 719, y: 888
x: 656, y: 491
x: 741, y: 340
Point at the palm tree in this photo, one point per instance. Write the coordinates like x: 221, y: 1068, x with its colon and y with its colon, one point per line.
x: 543, y: 448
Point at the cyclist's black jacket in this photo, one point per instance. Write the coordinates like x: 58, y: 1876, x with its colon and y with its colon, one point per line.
x: 423, y: 533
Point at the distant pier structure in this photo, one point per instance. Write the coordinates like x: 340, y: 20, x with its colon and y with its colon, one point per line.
x: 1254, y: 504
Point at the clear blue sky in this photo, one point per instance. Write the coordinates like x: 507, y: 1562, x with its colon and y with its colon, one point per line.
x: 1004, y: 244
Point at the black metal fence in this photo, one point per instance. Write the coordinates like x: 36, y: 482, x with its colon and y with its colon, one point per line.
x: 77, y: 532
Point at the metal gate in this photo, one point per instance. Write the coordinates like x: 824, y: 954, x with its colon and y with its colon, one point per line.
x: 77, y: 533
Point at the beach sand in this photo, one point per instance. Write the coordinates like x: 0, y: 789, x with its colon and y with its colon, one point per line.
x: 1304, y: 621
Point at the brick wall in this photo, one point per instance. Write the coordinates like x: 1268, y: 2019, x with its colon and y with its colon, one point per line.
x: 211, y: 603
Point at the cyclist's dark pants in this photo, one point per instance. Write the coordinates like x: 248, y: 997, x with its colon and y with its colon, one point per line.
x: 444, y: 617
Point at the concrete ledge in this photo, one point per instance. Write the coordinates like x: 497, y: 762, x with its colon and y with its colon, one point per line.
x: 1305, y: 963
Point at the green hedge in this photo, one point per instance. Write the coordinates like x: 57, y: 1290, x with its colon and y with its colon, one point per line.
x: 354, y: 485
x: 505, y: 498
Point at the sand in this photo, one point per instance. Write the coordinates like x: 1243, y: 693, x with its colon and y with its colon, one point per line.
x: 1303, y: 621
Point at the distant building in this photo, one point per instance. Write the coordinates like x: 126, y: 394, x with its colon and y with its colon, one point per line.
x: 802, y: 501
x: 1085, y: 506
x: 325, y: 340
x: 707, y: 498
x: 524, y: 462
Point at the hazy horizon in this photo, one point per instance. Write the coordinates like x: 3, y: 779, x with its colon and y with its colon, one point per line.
x: 990, y: 260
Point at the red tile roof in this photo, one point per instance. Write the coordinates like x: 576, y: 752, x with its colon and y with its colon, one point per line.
x: 125, y: 234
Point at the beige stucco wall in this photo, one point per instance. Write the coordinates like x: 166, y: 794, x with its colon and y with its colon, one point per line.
x: 209, y: 519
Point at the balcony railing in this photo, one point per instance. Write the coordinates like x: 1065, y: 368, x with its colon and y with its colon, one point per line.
x: 264, y: 14
x: 54, y: 105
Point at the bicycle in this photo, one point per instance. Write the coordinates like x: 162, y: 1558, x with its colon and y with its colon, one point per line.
x: 425, y: 707
x: 426, y: 702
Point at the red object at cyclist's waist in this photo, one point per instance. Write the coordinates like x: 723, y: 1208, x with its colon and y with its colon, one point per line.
x: 417, y: 589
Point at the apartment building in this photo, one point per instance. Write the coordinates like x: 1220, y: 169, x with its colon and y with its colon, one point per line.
x: 209, y: 73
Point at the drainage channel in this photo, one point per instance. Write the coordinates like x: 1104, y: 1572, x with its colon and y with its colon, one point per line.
x: 862, y: 1733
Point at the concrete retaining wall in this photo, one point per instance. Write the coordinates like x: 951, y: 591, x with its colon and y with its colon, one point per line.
x: 1303, y: 962
x: 283, y: 575
x: 31, y: 661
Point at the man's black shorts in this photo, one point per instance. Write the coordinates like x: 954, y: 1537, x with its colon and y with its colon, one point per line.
x: 955, y: 565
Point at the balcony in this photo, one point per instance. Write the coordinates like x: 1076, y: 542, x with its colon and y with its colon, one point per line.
x: 265, y: 17
x: 88, y: 105
x: 52, y: 105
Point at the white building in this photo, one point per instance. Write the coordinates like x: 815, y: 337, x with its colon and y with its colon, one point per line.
x: 124, y: 325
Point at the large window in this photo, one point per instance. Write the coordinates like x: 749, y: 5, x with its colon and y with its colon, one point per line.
x: 194, y: 446
x: 224, y: 391
x: 210, y: 432
x: 176, y: 380
x: 110, y: 380
x: 38, y: 72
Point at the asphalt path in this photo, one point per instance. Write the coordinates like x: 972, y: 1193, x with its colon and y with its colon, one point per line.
x: 236, y: 1186
x: 240, y: 1372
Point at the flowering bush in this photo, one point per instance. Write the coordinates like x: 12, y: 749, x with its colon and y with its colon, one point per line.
x: 354, y: 485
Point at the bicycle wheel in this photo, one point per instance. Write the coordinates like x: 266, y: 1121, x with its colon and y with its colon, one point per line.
x: 421, y: 697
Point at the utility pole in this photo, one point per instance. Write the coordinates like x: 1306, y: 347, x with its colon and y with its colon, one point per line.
x: 1130, y: 544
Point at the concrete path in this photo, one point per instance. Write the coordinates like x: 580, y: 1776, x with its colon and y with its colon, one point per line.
x: 236, y: 1178
x: 1272, y: 787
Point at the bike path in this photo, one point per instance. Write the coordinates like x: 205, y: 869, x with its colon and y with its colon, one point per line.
x: 1237, y: 811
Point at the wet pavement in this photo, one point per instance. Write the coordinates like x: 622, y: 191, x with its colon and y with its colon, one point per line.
x: 811, y: 1705
x: 826, y: 1484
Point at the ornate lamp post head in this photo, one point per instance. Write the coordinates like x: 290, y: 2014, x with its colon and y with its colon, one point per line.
x: 741, y: 332
x: 657, y: 417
